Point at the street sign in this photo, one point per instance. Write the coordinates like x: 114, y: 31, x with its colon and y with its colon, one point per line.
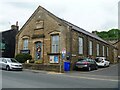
x: 63, y: 57
x: 63, y: 50
x: 63, y: 53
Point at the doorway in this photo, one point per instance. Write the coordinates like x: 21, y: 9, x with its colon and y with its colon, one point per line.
x: 38, y: 50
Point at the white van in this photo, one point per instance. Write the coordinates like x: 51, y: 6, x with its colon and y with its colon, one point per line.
x: 10, y: 64
x: 102, y: 61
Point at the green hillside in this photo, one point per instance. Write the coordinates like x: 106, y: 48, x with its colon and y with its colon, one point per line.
x: 113, y: 34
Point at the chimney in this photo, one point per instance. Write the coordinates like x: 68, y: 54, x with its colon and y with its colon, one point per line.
x: 15, y: 27
x: 94, y: 32
x: 17, y: 23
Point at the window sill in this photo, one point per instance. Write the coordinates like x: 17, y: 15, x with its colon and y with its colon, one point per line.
x: 38, y: 28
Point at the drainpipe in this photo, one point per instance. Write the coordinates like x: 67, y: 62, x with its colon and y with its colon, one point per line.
x: 87, y: 46
x: 70, y: 28
x: 43, y: 43
x: 70, y: 36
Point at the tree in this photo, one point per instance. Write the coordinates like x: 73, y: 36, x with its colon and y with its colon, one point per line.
x: 113, y: 34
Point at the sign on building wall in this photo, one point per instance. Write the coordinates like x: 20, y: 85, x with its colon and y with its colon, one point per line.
x: 25, y: 51
x: 54, y: 59
x: 51, y: 59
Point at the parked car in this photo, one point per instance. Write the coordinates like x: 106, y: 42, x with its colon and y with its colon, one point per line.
x: 86, y: 63
x: 10, y: 64
x: 102, y: 61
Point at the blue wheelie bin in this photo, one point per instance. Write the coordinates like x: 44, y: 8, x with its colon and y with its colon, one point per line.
x: 66, y: 66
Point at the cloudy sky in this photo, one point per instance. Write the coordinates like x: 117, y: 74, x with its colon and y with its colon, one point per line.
x: 88, y: 14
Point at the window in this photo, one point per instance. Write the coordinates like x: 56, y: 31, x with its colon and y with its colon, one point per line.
x: 98, y: 49
x: 25, y: 44
x: 80, y: 45
x: 103, y: 50
x: 107, y: 51
x: 90, y: 47
x: 55, y: 44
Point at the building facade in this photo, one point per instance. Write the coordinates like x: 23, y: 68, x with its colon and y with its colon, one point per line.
x: 8, y: 42
x: 117, y: 45
x: 53, y: 40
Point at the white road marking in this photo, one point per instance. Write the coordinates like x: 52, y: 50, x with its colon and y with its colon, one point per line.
x: 87, y: 77
x: 93, y: 78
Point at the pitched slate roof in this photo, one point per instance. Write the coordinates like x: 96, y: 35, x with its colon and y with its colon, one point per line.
x: 84, y: 31
x: 66, y: 23
x: 118, y: 41
x: 77, y: 28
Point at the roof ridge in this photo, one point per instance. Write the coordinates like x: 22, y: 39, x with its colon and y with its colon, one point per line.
x: 77, y: 28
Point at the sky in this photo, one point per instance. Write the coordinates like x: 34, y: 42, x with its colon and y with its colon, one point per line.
x: 91, y: 15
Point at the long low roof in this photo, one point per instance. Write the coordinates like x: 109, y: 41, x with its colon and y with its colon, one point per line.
x: 84, y: 31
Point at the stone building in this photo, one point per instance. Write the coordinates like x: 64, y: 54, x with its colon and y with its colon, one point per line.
x: 117, y: 45
x: 52, y: 40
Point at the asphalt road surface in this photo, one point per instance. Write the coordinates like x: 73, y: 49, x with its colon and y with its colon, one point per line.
x: 42, y: 79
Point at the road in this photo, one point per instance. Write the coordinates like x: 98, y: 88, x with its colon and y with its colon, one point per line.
x: 43, y: 79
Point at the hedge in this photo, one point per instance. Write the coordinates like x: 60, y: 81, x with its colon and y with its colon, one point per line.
x: 22, y: 58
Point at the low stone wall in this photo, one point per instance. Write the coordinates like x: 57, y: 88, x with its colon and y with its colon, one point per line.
x: 55, y: 68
